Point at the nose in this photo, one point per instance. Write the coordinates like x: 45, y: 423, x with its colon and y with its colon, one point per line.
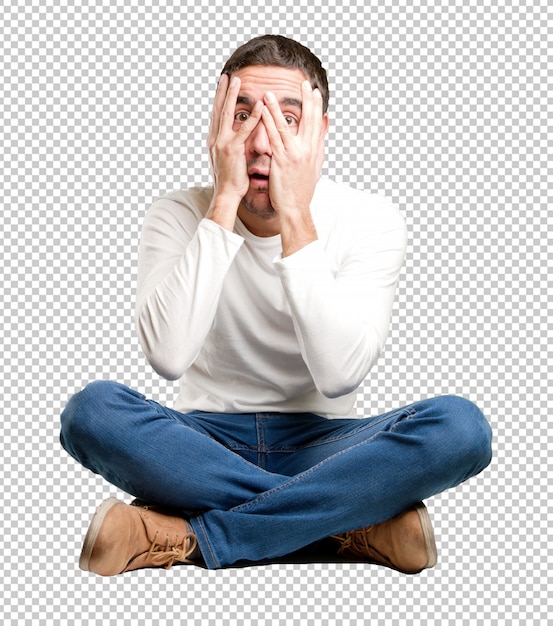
x: 258, y: 142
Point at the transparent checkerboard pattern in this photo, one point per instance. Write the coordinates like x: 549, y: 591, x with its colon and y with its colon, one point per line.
x: 444, y: 107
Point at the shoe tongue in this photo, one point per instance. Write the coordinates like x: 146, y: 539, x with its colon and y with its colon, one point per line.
x: 163, y: 528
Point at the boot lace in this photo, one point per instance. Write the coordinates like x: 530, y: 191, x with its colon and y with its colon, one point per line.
x: 166, y: 555
x: 355, y: 543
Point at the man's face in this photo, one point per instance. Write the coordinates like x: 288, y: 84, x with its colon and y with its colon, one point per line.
x: 256, y: 81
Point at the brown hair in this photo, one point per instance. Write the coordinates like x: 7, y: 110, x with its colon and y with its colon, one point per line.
x: 283, y: 52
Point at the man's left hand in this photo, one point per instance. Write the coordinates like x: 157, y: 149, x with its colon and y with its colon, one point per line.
x: 296, y: 163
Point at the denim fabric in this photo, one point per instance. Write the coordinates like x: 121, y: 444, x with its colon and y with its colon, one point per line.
x: 262, y: 485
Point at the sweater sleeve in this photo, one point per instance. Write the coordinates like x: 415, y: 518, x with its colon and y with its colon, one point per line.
x: 341, y: 311
x: 182, y: 265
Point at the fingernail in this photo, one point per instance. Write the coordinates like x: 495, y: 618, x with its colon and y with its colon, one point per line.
x: 270, y: 96
x: 234, y: 81
x: 307, y: 85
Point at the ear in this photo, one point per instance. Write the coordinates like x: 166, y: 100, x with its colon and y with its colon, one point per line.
x: 321, y: 155
x: 324, y: 127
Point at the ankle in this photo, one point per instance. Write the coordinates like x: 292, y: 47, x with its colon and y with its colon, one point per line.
x: 196, y: 554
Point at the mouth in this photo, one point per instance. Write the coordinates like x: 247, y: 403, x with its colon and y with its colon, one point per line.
x: 259, y: 181
x: 256, y: 176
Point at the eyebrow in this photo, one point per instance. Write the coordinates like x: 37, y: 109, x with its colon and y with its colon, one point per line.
x: 291, y: 102
x: 287, y: 102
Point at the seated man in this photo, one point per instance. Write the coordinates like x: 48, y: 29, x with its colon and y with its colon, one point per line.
x: 269, y: 296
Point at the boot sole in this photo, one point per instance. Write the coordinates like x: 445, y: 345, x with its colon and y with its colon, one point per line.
x: 428, y: 532
x: 93, y: 531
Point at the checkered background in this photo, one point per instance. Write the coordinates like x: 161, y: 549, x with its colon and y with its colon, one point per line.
x: 443, y: 106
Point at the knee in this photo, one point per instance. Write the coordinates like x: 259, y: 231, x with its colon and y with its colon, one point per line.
x: 466, y: 427
x: 84, y: 415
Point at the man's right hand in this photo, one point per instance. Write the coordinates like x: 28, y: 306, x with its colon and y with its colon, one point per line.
x: 227, y: 154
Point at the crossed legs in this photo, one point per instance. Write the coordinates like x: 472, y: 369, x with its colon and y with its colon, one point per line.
x: 256, y: 487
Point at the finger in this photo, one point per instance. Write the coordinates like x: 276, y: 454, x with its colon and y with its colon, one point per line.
x: 277, y: 127
x: 318, y: 112
x: 274, y: 108
x: 273, y: 132
x: 229, y: 106
x: 218, y: 102
x: 312, y: 112
x: 247, y: 127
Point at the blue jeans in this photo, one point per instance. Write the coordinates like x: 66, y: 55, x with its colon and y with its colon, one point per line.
x: 258, y: 486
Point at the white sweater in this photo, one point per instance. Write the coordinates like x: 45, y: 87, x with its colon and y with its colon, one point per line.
x: 246, y: 330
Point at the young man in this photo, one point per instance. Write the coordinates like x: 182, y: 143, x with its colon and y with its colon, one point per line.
x: 269, y: 296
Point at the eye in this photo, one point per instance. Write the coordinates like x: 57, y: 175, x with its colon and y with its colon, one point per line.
x: 241, y: 117
x: 290, y: 120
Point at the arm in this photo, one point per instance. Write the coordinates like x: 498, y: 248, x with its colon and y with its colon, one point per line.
x: 181, y: 270
x: 341, y: 316
x: 182, y: 265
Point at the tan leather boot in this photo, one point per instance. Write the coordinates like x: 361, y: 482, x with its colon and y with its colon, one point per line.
x: 404, y: 542
x: 123, y: 538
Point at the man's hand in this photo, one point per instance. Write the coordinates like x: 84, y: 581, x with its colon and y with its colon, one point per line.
x: 296, y: 163
x: 227, y: 152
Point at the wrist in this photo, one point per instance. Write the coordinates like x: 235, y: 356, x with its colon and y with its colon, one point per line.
x: 297, y: 230
x: 223, y: 210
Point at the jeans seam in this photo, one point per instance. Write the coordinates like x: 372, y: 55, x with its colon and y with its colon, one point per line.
x: 408, y: 411
x: 408, y: 415
x: 163, y: 410
x: 204, y: 533
x: 261, y: 442
x: 247, y: 505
